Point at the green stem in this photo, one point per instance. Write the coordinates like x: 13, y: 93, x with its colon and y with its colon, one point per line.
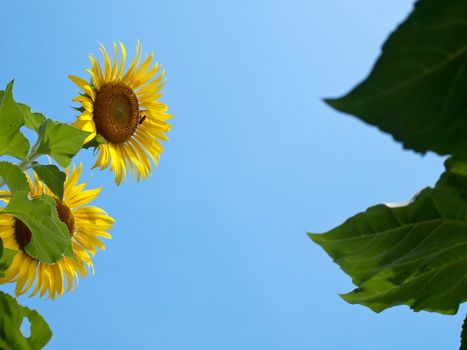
x: 27, y: 163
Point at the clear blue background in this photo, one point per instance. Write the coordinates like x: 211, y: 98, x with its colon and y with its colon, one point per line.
x: 211, y: 252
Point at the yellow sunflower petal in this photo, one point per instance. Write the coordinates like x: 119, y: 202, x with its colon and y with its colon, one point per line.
x: 115, y: 62
x: 130, y: 147
x: 84, y: 85
x: 96, y: 72
x: 86, y: 102
x: 122, y: 64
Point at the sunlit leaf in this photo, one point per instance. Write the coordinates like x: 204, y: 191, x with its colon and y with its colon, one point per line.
x: 19, y: 146
x: 13, y: 177
x: 59, y: 140
x: 12, y: 141
x: 50, y: 238
x: 32, y: 120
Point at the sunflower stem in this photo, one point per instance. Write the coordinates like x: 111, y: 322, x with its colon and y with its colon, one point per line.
x: 25, y: 164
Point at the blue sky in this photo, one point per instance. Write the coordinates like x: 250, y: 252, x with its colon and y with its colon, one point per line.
x: 212, y: 251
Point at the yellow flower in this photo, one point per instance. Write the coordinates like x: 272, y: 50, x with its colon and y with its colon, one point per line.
x: 124, y: 108
x: 85, y: 225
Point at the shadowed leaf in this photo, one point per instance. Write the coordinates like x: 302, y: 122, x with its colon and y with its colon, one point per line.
x: 414, y: 254
x: 53, y: 177
x: 6, y: 258
x: 11, y: 317
x: 416, y: 90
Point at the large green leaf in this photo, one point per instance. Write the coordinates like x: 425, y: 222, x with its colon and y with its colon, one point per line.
x: 50, y: 238
x: 32, y: 120
x: 53, y: 177
x: 416, y: 90
x: 19, y: 146
x: 454, y: 179
x: 12, y: 316
x: 13, y: 177
x: 415, y: 254
x: 12, y: 141
x: 60, y: 141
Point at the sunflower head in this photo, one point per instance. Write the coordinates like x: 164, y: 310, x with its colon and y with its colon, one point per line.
x: 123, y: 107
x: 85, y: 224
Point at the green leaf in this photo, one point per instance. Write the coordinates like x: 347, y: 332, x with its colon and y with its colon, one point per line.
x: 61, y: 141
x: 6, y: 258
x: 416, y: 90
x: 31, y: 120
x: 11, y: 317
x: 50, y: 238
x: 409, y: 255
x: 454, y: 179
x: 17, y: 147
x: 12, y: 141
x: 53, y: 177
x: 14, y: 177
x: 464, y: 335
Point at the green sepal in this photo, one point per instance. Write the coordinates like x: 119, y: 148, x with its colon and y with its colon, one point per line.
x: 95, y: 142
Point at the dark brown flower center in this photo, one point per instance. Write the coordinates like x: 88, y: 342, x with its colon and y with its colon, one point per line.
x: 23, y: 234
x: 116, y: 112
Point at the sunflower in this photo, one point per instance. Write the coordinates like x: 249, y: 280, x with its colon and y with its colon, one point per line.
x: 85, y: 225
x: 124, y: 108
